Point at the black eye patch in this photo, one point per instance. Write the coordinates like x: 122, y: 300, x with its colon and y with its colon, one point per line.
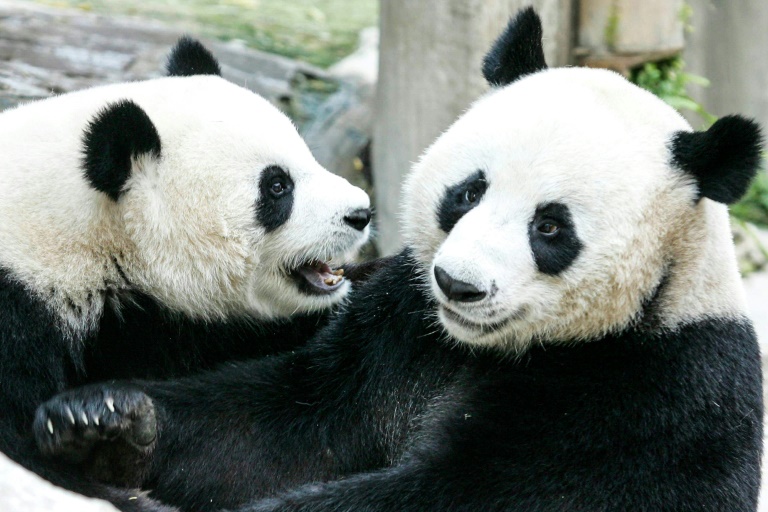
x: 275, y: 203
x: 459, y: 199
x: 553, y: 238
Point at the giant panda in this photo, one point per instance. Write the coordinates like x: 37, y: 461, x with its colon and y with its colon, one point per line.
x: 564, y: 330
x: 154, y: 228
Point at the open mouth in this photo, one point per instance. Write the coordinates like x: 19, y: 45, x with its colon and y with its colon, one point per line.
x: 318, y: 278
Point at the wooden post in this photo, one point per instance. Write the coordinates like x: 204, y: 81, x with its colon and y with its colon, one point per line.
x: 623, y: 34
x: 429, y: 72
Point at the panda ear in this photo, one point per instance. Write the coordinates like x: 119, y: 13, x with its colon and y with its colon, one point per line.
x: 517, y: 52
x: 189, y: 57
x: 116, y: 136
x: 723, y: 159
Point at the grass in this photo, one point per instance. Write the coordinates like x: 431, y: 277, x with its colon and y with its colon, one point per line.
x: 320, y: 32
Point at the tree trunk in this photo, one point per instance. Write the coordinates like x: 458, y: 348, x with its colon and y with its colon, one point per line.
x: 728, y: 46
x: 429, y: 73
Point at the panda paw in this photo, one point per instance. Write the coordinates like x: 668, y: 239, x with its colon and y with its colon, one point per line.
x: 71, y: 424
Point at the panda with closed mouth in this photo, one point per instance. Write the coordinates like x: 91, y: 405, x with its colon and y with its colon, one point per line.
x: 155, y: 228
x: 565, y: 330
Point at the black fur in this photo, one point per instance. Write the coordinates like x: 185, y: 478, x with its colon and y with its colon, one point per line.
x: 455, y: 203
x: 556, y: 252
x: 517, y: 52
x: 33, y: 367
x: 117, y: 135
x: 140, y: 339
x: 380, y: 413
x: 273, y: 209
x: 189, y: 58
x: 145, y: 340
x: 723, y: 160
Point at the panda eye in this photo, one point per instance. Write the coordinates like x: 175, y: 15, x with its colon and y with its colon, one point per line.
x: 275, y: 183
x: 278, y: 188
x: 474, y: 192
x: 548, y: 228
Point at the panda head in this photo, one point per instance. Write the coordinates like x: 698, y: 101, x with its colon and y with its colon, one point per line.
x: 220, y: 206
x: 567, y: 204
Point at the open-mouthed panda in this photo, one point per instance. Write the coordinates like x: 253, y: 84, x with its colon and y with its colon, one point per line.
x: 565, y: 330
x: 149, y: 229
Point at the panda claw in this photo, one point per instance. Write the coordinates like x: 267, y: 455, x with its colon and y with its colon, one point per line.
x: 70, y: 416
x: 85, y: 418
x: 96, y: 420
x: 49, y: 424
x: 110, y: 404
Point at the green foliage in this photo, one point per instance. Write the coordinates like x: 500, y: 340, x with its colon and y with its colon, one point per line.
x: 685, y: 15
x: 320, y: 32
x: 669, y: 81
x: 754, y: 206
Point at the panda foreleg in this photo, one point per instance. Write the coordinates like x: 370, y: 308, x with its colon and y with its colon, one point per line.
x: 410, y: 487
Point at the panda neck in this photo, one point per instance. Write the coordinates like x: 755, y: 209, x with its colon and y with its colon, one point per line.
x: 72, y: 267
x: 704, y: 280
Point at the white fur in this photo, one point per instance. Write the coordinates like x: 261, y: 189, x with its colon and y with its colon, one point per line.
x: 185, y: 229
x: 595, y: 142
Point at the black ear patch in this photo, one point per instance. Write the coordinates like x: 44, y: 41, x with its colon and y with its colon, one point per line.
x: 517, y: 52
x: 118, y: 133
x: 189, y: 57
x: 723, y: 159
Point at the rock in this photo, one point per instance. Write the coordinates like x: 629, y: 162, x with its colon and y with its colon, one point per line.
x: 361, y: 67
x: 340, y: 134
x: 23, y: 491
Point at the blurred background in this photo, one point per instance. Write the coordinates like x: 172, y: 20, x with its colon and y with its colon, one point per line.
x: 370, y: 83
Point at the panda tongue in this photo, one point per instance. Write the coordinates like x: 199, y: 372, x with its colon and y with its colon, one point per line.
x: 317, y: 272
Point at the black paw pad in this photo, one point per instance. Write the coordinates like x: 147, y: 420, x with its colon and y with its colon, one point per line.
x: 72, y: 423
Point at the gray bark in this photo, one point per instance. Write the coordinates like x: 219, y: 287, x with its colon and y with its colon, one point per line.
x: 728, y: 45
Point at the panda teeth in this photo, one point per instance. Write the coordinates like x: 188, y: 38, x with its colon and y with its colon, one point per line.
x: 320, y: 275
x: 335, y: 279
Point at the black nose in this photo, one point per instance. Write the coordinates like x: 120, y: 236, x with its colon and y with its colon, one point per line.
x: 455, y: 289
x: 359, y: 218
